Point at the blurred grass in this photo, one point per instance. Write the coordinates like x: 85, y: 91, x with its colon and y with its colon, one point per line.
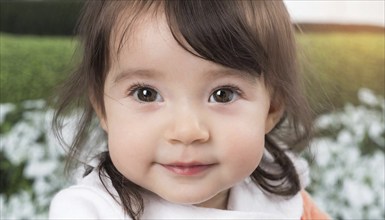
x: 30, y: 66
x: 335, y: 66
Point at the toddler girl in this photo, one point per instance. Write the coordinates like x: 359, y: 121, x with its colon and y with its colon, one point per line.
x: 201, y: 107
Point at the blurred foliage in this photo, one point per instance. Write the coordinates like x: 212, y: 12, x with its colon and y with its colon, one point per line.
x: 12, y: 179
x: 336, y: 65
x: 31, y: 161
x: 39, y: 17
x: 32, y: 66
x: 348, y: 159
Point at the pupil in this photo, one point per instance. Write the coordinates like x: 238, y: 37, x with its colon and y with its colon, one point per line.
x: 147, y: 95
x: 223, y: 96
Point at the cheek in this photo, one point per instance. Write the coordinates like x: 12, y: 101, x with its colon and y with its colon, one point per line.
x: 129, y: 145
x: 121, y: 149
x: 244, y: 148
x: 126, y: 131
x: 131, y: 155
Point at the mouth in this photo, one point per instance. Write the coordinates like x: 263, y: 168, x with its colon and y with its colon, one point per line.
x: 187, y: 169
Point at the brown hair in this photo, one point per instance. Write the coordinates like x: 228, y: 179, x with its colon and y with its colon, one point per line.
x: 253, y: 36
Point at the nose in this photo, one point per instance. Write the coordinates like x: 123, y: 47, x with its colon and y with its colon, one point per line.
x: 187, y: 127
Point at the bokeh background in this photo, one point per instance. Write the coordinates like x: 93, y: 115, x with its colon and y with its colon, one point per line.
x: 342, y: 46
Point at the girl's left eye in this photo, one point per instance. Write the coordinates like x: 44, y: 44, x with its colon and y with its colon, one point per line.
x: 224, y: 95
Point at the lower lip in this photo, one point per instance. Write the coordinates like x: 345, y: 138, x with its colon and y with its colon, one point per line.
x: 188, y: 170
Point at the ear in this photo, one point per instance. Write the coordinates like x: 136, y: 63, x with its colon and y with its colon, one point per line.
x: 99, y: 113
x: 103, y: 122
x: 275, y: 113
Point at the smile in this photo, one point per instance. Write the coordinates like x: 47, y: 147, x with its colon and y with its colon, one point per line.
x: 187, y: 169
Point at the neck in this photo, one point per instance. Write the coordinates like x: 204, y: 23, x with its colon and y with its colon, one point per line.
x: 219, y: 201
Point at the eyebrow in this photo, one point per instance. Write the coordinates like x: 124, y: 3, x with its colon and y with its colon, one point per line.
x: 217, y: 73
x: 132, y: 73
x: 209, y: 75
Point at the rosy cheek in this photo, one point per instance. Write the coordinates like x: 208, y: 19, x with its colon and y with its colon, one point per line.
x: 246, y: 148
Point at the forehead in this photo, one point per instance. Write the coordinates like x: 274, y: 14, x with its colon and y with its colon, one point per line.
x: 137, y: 35
x: 132, y: 18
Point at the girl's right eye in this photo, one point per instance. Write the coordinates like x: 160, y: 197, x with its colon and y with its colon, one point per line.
x: 145, y: 94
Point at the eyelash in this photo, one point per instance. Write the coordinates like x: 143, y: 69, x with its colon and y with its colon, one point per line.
x: 232, y: 87
x: 132, y: 89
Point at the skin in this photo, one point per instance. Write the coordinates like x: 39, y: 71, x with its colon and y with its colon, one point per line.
x: 185, y: 123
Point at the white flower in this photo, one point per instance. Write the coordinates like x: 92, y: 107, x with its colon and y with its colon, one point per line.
x: 5, y: 108
x: 367, y: 96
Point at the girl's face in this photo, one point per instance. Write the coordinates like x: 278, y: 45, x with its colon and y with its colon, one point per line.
x: 182, y: 127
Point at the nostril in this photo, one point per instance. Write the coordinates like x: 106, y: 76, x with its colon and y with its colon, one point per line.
x: 188, y: 134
